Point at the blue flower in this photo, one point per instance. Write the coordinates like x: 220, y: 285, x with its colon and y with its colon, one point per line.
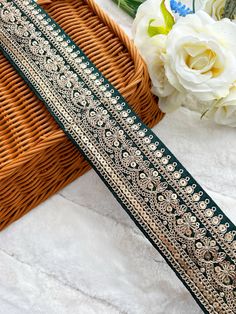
x: 180, y: 8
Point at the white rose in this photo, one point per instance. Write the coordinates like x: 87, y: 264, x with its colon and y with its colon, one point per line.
x: 187, y: 100
x: 214, y: 8
x: 223, y: 111
x: 172, y: 102
x: 201, y: 56
x: 153, y: 48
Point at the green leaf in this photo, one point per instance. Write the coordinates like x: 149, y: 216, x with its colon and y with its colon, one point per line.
x: 130, y: 6
x: 156, y: 30
x: 230, y: 9
x: 168, y: 18
x: 162, y: 29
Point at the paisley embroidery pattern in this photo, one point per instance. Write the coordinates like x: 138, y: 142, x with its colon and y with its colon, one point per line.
x: 177, y: 216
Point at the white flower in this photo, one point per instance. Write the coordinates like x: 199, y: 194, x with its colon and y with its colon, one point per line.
x: 223, y: 111
x: 172, y: 102
x: 201, y: 56
x: 153, y: 48
x: 214, y: 8
x: 177, y: 99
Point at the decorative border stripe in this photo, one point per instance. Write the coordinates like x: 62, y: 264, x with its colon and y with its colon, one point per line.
x: 182, y: 222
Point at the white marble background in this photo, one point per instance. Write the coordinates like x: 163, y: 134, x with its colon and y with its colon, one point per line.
x: 79, y: 252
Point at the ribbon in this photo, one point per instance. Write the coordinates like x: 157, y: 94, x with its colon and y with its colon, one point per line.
x: 180, y: 220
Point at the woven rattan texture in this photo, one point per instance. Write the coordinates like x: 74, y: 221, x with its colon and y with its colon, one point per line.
x: 36, y: 158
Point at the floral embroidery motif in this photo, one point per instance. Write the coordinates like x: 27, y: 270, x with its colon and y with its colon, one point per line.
x: 177, y: 216
x: 208, y: 251
x: 226, y: 274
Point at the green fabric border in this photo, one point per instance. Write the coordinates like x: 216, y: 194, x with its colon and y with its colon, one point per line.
x: 161, y: 145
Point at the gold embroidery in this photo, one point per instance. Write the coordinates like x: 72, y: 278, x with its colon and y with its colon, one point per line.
x: 170, y: 207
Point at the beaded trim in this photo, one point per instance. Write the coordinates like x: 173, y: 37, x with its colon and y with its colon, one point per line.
x: 176, y: 215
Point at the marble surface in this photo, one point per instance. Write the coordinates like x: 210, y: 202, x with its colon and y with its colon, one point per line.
x: 79, y: 252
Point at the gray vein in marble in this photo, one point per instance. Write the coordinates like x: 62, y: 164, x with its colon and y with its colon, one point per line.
x: 63, y: 282
x: 229, y: 196
x: 133, y: 229
x: 9, y: 303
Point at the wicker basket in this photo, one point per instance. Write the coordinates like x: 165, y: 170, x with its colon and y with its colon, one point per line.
x: 36, y: 158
